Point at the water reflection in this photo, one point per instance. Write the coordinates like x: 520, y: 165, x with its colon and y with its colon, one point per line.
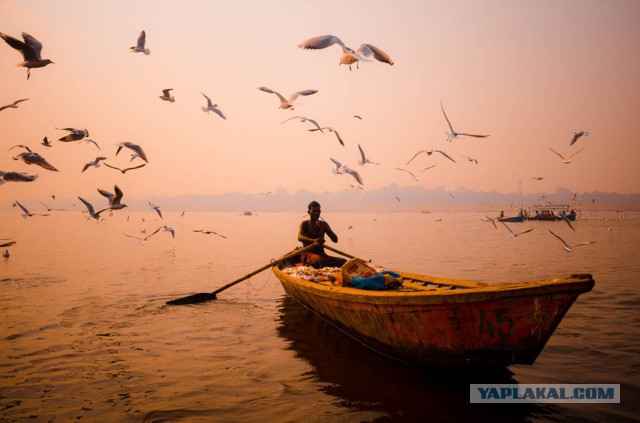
x: 366, y: 381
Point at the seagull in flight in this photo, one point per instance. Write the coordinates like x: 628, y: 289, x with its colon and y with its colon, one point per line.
x: 30, y: 49
x: 564, y: 159
x: 125, y: 169
x: 13, y: 105
x: 95, y: 163
x: 30, y: 157
x: 143, y: 240
x: 568, y: 247
x: 166, y: 228
x: 453, y: 134
x: 49, y: 209
x: 430, y: 152
x: 139, y: 47
x: 340, y: 169
x: 114, y: 199
x: 156, y: 208
x: 212, y: 107
x: 538, y: 178
x: 16, y: 177
x: 46, y: 142
x: 166, y: 95
x: 330, y: 129
x: 75, y: 134
x: 207, y: 232
x: 305, y: 119
x: 564, y: 217
x: 490, y: 219
x: 471, y: 159
x: 512, y: 234
x: 363, y: 159
x: 133, y: 147
x: 26, y: 213
x: 284, y: 103
x: 577, y: 135
x: 349, y: 56
x: 413, y: 175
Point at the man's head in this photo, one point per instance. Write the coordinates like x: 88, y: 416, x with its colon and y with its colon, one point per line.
x: 314, y: 210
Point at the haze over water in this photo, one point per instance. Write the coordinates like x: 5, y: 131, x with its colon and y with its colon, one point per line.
x: 85, y: 332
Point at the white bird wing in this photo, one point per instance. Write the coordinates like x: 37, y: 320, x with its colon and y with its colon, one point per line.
x: 508, y: 228
x: 315, y: 124
x: 584, y: 243
x: 337, y: 163
x: 415, y: 155
x: 267, y: 90
x: 117, y: 197
x: 209, y: 103
x: 447, y: 119
x: 296, y: 117
x: 576, y: 152
x: 524, y: 232
x: 364, y: 158
x: 295, y: 95
x: 446, y: 155
x: 353, y: 173
x: 107, y: 194
x: 321, y: 41
x: 88, y: 205
x: 563, y: 241
x: 367, y: 50
x: 24, y: 209
x: 219, y: 112
x: 561, y: 156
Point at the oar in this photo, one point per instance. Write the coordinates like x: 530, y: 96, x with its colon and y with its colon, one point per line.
x: 208, y: 296
x: 335, y: 250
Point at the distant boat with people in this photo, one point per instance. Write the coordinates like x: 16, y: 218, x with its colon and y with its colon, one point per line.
x: 550, y: 212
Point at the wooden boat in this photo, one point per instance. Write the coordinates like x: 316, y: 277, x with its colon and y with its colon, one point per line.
x: 551, y: 212
x: 511, y: 219
x: 437, y: 321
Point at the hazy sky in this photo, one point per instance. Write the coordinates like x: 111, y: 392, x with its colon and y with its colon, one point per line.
x: 527, y: 73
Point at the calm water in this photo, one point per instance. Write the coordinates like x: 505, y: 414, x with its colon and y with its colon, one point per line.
x: 84, y: 332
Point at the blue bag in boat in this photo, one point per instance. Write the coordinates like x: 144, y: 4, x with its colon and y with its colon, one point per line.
x: 374, y: 283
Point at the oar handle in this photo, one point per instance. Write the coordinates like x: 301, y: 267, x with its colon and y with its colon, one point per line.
x: 266, y: 266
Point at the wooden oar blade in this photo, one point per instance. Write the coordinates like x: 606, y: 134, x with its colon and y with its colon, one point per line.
x: 193, y: 299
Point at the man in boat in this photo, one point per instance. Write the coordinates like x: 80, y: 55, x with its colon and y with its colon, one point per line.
x: 313, y: 230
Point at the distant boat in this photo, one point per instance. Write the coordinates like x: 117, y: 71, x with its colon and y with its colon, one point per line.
x: 438, y: 321
x: 247, y: 213
x: 511, y: 219
x: 551, y: 212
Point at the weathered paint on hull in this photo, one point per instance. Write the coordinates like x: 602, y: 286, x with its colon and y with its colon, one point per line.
x: 500, y: 327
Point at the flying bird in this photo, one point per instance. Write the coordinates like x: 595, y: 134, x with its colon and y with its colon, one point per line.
x: 30, y: 49
x: 26, y: 213
x: 305, y: 119
x: 207, y: 232
x: 212, y: 107
x: 95, y: 163
x: 6, y: 254
x: 16, y: 177
x: 125, y: 169
x: 114, y: 198
x: 30, y: 157
x: 90, y: 141
x: 538, y: 178
x: 577, y: 135
x: 140, y: 45
x: 340, y: 169
x: 156, y: 208
x: 453, y: 134
x: 349, y: 56
x: 430, y: 152
x: 414, y: 176
x: 330, y: 129
x: 46, y: 142
x: 490, y: 219
x: 13, y: 105
x: 166, y: 228
x: 143, y: 240
x: 49, y: 208
x: 166, y: 95
x: 568, y: 247
x: 471, y: 159
x: 133, y: 147
x: 513, y: 234
x: 566, y: 160
x: 74, y: 135
x: 284, y: 103
x: 564, y: 217
x: 363, y: 159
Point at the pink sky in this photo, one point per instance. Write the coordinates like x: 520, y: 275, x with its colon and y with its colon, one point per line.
x: 527, y: 73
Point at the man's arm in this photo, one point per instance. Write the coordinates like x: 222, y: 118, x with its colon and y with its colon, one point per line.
x: 328, y: 231
x: 304, y: 238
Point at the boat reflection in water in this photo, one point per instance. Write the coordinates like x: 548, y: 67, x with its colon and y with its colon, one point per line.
x: 363, y: 380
